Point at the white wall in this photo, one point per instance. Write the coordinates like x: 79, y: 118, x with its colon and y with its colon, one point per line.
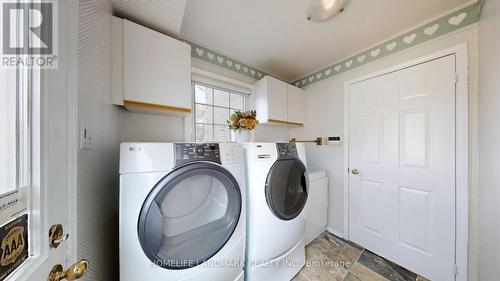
x: 271, y: 133
x: 97, y: 178
x: 489, y: 106
x: 137, y: 127
x: 325, y: 117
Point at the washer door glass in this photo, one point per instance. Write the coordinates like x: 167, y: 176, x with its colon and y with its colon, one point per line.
x: 286, y: 190
x: 189, y: 215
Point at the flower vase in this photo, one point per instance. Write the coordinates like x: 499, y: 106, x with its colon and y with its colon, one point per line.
x: 242, y: 135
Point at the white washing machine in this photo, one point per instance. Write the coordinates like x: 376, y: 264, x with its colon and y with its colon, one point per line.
x: 182, y: 212
x: 276, y: 197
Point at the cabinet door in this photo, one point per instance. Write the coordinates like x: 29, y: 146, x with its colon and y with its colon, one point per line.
x: 157, y: 68
x: 296, y: 100
x: 277, y: 99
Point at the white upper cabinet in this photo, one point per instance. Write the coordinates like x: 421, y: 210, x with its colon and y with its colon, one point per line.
x: 155, y: 70
x: 296, y: 105
x: 277, y: 102
x: 276, y: 99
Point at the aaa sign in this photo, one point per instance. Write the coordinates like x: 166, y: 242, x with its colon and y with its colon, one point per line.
x: 13, y: 245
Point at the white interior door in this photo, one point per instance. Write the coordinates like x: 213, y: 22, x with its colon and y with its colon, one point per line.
x: 402, y: 167
x: 36, y: 156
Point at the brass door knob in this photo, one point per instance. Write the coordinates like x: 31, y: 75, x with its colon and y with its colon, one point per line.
x: 74, y: 272
x: 355, y: 171
x: 56, y: 235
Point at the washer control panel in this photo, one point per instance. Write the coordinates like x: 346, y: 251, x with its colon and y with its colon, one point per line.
x: 190, y: 152
x: 287, y: 150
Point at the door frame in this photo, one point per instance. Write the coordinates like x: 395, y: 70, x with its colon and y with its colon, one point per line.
x: 72, y: 43
x: 52, y: 81
x: 461, y: 149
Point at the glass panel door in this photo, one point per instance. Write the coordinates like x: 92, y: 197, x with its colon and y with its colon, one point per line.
x: 286, y: 190
x: 189, y: 216
x: 15, y: 159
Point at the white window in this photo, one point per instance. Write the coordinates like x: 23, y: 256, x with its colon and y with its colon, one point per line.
x: 14, y: 131
x: 211, y: 111
x: 16, y: 165
x: 8, y: 161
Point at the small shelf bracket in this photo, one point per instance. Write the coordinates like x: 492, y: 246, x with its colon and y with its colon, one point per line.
x: 317, y: 141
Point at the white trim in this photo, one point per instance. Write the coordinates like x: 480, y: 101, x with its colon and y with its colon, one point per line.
x: 37, y: 219
x: 462, y: 163
x: 345, y: 229
x: 334, y: 231
x: 72, y: 129
x: 207, y: 77
x: 462, y: 149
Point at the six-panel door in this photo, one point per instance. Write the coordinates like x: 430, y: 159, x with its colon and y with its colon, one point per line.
x: 402, y: 144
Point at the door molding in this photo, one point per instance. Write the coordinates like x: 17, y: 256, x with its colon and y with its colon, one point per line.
x: 461, y: 149
x: 73, y: 127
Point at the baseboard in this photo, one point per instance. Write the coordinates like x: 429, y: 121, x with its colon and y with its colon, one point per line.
x: 314, y: 236
x: 335, y: 232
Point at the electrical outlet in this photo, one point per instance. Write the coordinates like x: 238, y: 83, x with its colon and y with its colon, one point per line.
x: 85, y: 136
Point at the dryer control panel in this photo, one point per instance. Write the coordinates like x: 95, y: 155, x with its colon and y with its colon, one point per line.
x: 287, y: 150
x: 190, y: 152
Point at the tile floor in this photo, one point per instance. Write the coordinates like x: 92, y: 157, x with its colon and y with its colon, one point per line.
x: 330, y: 258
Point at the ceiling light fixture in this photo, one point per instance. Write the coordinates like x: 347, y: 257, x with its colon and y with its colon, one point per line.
x: 322, y: 10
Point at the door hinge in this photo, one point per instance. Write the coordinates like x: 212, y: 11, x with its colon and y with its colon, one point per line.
x: 457, y: 78
x: 455, y: 270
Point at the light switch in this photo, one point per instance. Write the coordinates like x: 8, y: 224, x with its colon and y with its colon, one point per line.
x: 85, y: 136
x: 334, y: 140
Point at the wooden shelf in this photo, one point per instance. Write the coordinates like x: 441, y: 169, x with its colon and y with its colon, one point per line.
x: 284, y: 123
x: 158, y: 109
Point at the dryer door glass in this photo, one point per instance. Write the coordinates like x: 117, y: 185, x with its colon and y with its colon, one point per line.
x: 189, y: 215
x: 286, y: 190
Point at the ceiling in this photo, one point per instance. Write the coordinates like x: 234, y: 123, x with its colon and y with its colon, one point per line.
x: 162, y: 15
x: 274, y: 36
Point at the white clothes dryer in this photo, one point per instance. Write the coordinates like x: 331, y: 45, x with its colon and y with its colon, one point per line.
x: 182, y: 212
x: 276, y: 197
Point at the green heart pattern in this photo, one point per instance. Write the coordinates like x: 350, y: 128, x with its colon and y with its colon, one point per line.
x: 223, y: 61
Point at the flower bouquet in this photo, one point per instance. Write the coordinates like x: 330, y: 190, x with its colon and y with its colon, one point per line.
x: 242, y: 123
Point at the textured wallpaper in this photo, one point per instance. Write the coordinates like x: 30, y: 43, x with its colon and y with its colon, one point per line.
x: 97, y: 178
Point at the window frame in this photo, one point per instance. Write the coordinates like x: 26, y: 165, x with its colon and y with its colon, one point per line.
x: 26, y: 189
x: 24, y: 132
x: 213, y: 106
